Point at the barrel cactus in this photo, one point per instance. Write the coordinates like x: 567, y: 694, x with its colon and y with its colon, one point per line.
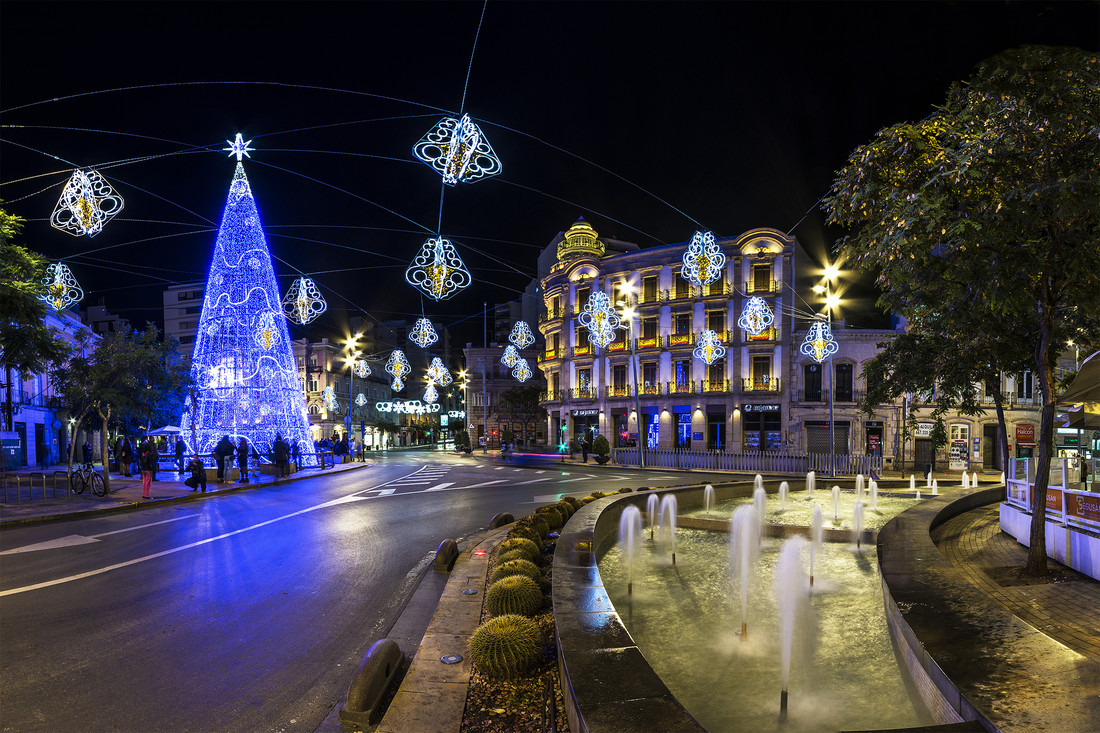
x: 524, y: 532
x: 529, y: 549
x: 551, y: 515
x: 511, y: 555
x: 516, y: 567
x: 514, y: 594
x: 572, y: 500
x: 506, y: 647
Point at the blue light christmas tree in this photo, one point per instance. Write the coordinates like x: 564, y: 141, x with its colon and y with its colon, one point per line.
x: 243, y: 366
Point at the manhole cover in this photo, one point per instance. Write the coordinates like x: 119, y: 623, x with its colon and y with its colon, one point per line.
x: 451, y: 658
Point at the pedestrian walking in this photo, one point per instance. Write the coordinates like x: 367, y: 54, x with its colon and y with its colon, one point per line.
x: 180, y: 448
x: 198, y: 474
x: 242, y: 460
x: 584, y: 450
x: 126, y: 458
x: 148, y: 462
x: 282, y: 452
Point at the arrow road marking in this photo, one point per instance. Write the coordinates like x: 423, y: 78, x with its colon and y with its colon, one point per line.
x: 74, y: 540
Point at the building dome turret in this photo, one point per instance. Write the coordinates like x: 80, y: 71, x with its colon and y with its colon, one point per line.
x: 581, y: 240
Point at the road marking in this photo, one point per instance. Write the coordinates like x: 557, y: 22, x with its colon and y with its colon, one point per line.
x: 499, y: 468
x: 533, y: 481
x: 442, y: 486
x: 540, y: 471
x: 190, y: 545
x: 487, y: 483
x: 413, y: 483
x: 143, y: 526
x: 74, y: 540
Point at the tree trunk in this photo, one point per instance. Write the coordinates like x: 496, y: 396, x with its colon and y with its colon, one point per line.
x: 1002, y: 430
x: 1037, y: 552
x: 103, y: 441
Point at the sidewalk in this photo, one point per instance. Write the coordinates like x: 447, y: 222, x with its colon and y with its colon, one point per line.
x: 37, y: 505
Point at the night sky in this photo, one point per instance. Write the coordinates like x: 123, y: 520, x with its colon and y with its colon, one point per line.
x: 651, y: 120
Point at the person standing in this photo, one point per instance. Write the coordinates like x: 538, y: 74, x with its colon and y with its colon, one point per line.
x: 126, y: 457
x: 223, y: 457
x: 584, y: 450
x: 296, y: 455
x: 282, y: 452
x: 180, y: 447
x: 148, y: 462
x: 86, y: 450
x: 242, y: 460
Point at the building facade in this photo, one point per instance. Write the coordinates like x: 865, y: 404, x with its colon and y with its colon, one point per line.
x: 487, y: 378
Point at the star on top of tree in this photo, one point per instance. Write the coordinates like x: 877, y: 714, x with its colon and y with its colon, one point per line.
x: 239, y: 148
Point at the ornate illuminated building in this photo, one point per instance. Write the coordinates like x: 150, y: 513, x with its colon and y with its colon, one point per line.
x: 764, y: 394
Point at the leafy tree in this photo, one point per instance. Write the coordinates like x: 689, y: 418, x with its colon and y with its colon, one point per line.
x: 129, y: 379
x: 521, y: 402
x: 27, y: 344
x: 988, y: 207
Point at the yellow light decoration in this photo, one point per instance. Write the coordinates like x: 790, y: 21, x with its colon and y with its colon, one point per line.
x: 703, y: 260
x: 303, y: 302
x: 819, y: 344
x: 710, y: 348
x: 329, y: 398
x: 62, y: 289
x: 458, y: 151
x: 423, y: 333
x: 521, y: 335
x: 87, y: 203
x: 267, y: 333
x: 437, y: 270
x: 430, y: 394
x: 756, y: 316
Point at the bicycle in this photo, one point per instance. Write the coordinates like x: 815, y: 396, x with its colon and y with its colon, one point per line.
x: 81, y: 477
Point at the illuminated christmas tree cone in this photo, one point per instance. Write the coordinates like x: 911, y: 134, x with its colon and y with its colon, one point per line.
x: 243, y: 365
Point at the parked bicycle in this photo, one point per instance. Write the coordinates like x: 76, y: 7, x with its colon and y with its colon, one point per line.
x: 84, y: 475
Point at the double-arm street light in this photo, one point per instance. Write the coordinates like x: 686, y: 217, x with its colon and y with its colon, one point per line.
x: 832, y: 300
x: 629, y: 308
x: 352, y: 355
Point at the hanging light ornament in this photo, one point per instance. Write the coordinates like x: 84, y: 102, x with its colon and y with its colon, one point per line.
x: 329, y: 399
x: 710, y: 348
x: 399, y: 367
x: 361, y: 399
x: 438, y: 373
x: 430, y: 394
x: 756, y: 316
x: 437, y: 270
x: 522, y: 370
x: 600, y: 319
x: 87, y: 203
x: 267, y: 333
x: 703, y: 260
x: 62, y: 289
x: 303, y: 301
x: 458, y: 151
x: 423, y: 333
x: 510, y: 356
x: 521, y: 335
x: 361, y: 369
x: 819, y: 344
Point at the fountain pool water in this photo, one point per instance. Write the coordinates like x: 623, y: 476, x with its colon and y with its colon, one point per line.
x: 630, y: 527
x: 667, y: 524
x: 682, y: 620
x: 799, y: 511
x: 708, y: 497
x: 784, y: 490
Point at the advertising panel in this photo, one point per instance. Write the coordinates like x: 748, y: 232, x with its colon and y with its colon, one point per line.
x: 1025, y: 435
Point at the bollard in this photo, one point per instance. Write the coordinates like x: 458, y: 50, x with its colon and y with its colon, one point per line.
x: 501, y: 520
x: 445, y: 556
x: 369, y: 684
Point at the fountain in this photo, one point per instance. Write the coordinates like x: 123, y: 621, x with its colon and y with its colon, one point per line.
x: 784, y: 489
x: 874, y: 495
x: 757, y: 482
x: 793, y: 604
x: 743, y: 552
x: 928, y: 480
x: 760, y: 501
x: 810, y: 478
x: 817, y: 533
x: 935, y: 488
x: 974, y: 480
x: 965, y: 480
x: 708, y: 498
x: 912, y: 482
x: 630, y: 527
x: 918, y: 494
x: 857, y: 523
x: 836, y: 503
x: 859, y: 487
x: 651, y: 513
x: 667, y: 522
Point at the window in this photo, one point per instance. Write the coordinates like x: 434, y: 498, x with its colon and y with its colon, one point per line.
x: 313, y: 360
x: 762, y: 278
x: 189, y: 295
x: 555, y: 383
x: 649, y: 288
x: 682, y: 372
x: 843, y: 376
x: 761, y: 370
x: 582, y: 297
x: 716, y: 321
x: 649, y: 376
x: 959, y: 431
x: 192, y: 310
x: 811, y: 382
x: 584, y: 378
x: 715, y: 288
x: 182, y: 324
x: 314, y: 410
x: 649, y: 327
x: 555, y: 340
x: 313, y: 385
x: 618, y: 377
x: 715, y: 376
x: 682, y: 290
x: 1024, y: 384
x: 683, y: 323
x: 555, y: 305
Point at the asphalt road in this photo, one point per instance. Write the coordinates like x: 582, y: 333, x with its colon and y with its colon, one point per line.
x: 242, y: 612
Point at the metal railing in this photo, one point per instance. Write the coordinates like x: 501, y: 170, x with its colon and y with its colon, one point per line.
x: 772, y: 286
x: 710, y: 460
x: 719, y: 385
x: 770, y: 384
x: 582, y: 393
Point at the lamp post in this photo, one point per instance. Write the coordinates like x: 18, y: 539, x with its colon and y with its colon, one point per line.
x: 831, y: 301
x: 352, y: 354
x: 629, y: 308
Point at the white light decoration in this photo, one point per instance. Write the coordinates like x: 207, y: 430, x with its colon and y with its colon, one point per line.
x: 437, y: 270
x: 430, y: 394
x: 458, y: 151
x: 267, y: 333
x: 361, y: 369
x: 703, y: 260
x: 438, y: 373
x: 399, y: 367
x: 303, y: 301
x: 423, y: 333
x: 510, y: 356
x: 522, y: 370
x: 397, y: 384
x: 328, y: 397
x: 361, y: 399
x: 521, y: 335
x: 600, y: 319
x: 62, y: 289
x: 407, y: 407
x: 819, y: 344
x: 87, y: 203
x: 710, y: 348
x: 756, y: 316
x: 239, y: 148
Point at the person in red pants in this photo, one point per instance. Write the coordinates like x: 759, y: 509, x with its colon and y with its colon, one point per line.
x: 148, y: 464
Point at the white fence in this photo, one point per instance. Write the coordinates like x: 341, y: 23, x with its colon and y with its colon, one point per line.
x: 799, y: 463
x: 1065, y: 506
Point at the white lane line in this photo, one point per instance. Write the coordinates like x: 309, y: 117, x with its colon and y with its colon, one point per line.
x: 188, y: 546
x: 487, y: 483
x: 442, y: 486
x: 533, y: 481
x: 143, y: 526
x: 540, y: 471
x: 412, y: 483
x: 499, y: 468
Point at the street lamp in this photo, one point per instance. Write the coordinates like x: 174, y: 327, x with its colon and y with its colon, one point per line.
x: 352, y: 355
x: 832, y: 300
x: 628, y: 289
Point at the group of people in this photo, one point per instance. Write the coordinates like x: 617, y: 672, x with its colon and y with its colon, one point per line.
x: 145, y: 457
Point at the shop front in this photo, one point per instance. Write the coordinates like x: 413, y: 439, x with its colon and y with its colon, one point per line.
x: 872, y: 440
x: 762, y: 428
x: 586, y: 424
x: 1025, y: 440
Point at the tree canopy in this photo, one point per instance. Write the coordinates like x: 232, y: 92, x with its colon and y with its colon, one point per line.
x: 983, y: 217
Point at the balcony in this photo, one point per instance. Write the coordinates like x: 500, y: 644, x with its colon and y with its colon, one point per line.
x: 550, y: 354
x: 657, y: 296
x: 652, y: 342
x: 618, y: 391
x: 585, y: 350
x: 768, y: 288
x: 682, y: 292
x: 582, y: 393
x: 680, y: 339
x: 617, y: 345
x: 551, y: 314
x: 765, y: 384
x: 716, y: 385
x: 672, y: 388
x: 652, y: 388
x: 765, y: 336
x: 718, y: 288
x: 550, y: 396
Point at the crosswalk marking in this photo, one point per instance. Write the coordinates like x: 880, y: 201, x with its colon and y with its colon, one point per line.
x: 440, y: 487
x: 486, y: 483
